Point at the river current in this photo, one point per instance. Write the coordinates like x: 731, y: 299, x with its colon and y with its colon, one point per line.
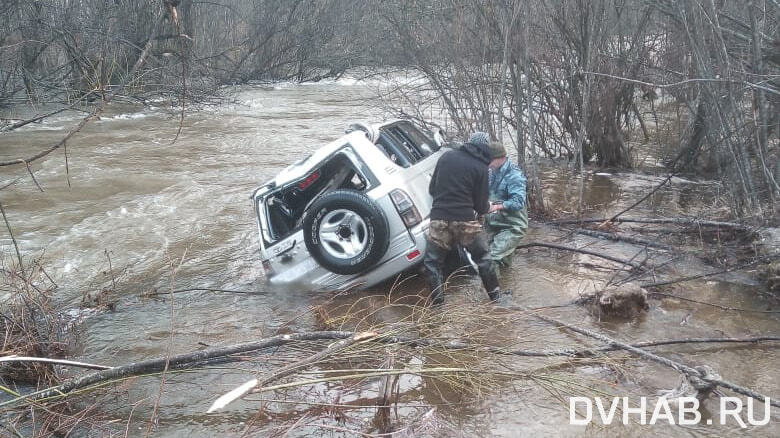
x: 145, y: 213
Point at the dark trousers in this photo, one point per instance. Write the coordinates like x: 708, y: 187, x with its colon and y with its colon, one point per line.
x: 442, y: 236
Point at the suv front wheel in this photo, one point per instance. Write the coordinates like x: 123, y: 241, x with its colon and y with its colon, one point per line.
x: 346, y: 232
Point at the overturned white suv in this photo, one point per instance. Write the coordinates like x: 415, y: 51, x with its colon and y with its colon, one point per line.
x: 351, y: 214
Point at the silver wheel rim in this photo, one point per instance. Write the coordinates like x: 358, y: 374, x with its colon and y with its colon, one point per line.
x: 343, y: 234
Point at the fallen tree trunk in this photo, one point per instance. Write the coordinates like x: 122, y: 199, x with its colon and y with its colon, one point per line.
x: 158, y: 364
x: 205, y: 356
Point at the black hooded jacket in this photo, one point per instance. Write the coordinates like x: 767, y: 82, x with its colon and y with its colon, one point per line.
x: 459, y: 184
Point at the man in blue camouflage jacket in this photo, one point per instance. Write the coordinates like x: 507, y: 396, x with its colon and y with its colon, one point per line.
x: 507, y: 220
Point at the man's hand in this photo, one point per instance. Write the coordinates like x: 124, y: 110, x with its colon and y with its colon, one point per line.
x: 496, y: 207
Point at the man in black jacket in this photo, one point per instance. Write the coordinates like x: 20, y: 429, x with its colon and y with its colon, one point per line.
x: 460, y: 191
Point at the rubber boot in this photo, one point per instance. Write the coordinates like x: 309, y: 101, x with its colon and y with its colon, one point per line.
x: 434, y: 262
x: 489, y: 278
x: 436, y: 285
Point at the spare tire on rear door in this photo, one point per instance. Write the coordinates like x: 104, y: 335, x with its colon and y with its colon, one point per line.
x: 346, y: 232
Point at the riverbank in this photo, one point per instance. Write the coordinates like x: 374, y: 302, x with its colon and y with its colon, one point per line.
x: 143, y: 214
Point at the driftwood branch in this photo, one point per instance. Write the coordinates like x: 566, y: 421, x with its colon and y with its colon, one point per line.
x: 32, y: 175
x: 572, y: 352
x: 675, y: 170
x: 754, y: 340
x: 10, y: 183
x: 633, y: 264
x: 201, y: 289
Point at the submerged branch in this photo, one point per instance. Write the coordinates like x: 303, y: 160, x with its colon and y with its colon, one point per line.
x: 204, y: 357
x: 287, y: 370
x: 685, y: 369
x: 158, y: 364
x: 719, y: 306
x: 633, y: 264
x: 620, y: 238
x: 678, y: 221
x: 758, y: 260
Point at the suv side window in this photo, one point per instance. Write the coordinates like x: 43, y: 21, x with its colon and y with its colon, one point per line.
x: 394, y: 150
x: 404, y: 144
x: 424, y: 144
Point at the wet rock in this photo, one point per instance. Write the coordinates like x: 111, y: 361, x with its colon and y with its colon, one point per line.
x: 626, y: 301
x: 770, y: 275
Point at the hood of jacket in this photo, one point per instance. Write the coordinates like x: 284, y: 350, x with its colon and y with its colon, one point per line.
x: 478, y: 151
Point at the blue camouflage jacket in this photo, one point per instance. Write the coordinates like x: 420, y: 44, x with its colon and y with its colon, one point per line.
x: 507, y: 184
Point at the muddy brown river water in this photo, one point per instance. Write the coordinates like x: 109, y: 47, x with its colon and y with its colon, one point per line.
x: 177, y: 215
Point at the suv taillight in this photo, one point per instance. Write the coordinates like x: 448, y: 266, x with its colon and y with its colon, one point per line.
x: 406, y: 208
x: 269, y: 270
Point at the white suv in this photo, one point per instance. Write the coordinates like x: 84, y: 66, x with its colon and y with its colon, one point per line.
x: 351, y: 214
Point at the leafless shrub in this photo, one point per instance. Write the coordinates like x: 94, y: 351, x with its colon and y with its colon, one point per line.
x: 30, y: 324
x: 574, y: 78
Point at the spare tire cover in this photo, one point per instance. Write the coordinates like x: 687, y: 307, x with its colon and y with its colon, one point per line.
x: 346, y: 232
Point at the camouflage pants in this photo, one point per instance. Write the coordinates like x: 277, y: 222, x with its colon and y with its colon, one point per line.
x: 442, y: 236
x: 506, y: 231
x: 464, y: 233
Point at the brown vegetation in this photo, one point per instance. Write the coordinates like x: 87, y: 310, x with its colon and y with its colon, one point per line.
x: 583, y: 79
x: 29, y: 325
